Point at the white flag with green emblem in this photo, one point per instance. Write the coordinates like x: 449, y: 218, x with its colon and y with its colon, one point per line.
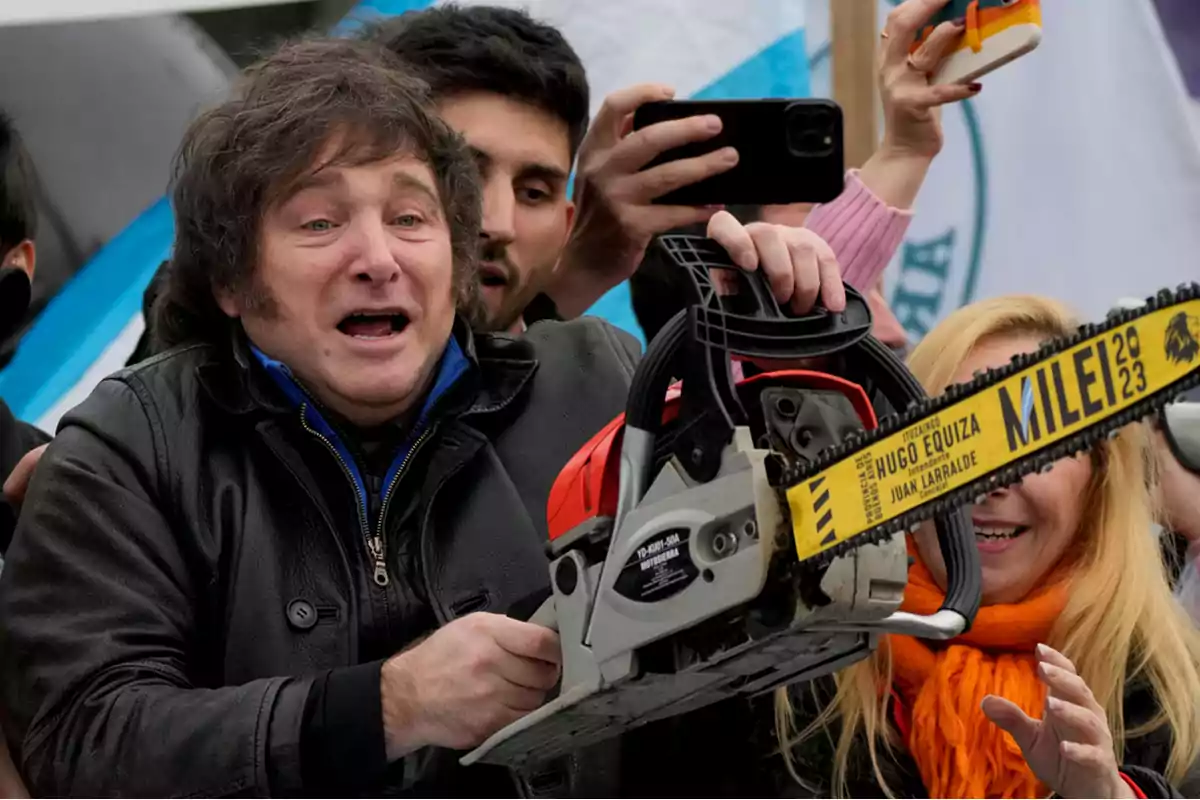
x: 1074, y: 174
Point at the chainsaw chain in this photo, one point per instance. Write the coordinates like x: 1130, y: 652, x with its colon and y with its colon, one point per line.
x: 1083, y: 441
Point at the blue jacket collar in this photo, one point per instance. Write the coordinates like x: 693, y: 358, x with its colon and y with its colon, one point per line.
x: 452, y: 366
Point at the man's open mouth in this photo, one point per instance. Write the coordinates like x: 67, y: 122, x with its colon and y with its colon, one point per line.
x: 492, y: 277
x: 373, y: 325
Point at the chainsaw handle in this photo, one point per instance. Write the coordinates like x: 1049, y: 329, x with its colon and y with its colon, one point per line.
x: 696, y: 346
x: 964, y: 582
x: 648, y: 389
x: 643, y: 413
x: 955, y: 530
x: 751, y: 322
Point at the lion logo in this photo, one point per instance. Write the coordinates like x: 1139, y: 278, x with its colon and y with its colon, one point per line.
x: 1181, y: 341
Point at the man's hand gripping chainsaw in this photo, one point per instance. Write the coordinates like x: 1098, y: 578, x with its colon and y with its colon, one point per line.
x: 725, y: 538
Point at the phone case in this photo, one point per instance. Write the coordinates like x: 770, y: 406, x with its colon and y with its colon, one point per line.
x: 997, y: 32
x: 770, y: 169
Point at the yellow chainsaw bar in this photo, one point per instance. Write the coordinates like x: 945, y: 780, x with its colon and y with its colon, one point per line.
x: 1001, y: 426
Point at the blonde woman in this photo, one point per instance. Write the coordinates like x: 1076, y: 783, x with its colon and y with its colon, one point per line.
x: 1080, y: 676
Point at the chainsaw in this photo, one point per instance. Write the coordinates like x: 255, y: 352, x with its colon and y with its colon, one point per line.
x: 727, y: 537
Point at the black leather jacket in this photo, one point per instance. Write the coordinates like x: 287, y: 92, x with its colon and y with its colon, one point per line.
x: 16, y: 439
x: 190, y: 561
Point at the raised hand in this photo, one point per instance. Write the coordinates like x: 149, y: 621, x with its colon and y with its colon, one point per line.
x: 910, y: 102
x: 615, y: 214
x: 1070, y: 749
x: 912, y: 128
x: 797, y: 263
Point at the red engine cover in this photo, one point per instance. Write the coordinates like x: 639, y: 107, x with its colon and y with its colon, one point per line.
x: 588, y: 485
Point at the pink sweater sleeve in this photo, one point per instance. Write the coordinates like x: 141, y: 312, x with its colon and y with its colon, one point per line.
x: 863, y: 231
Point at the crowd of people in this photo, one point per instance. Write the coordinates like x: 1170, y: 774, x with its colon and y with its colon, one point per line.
x: 280, y: 553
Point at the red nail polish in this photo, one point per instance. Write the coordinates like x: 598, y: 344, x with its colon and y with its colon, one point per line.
x: 975, y: 87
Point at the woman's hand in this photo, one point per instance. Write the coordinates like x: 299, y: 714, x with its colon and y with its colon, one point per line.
x: 912, y: 127
x: 912, y: 124
x: 1071, y: 748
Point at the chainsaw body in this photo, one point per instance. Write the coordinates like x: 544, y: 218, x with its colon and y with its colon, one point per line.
x: 674, y: 580
x: 674, y: 613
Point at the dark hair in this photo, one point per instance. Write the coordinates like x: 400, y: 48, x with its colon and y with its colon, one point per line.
x: 18, y: 195
x: 245, y: 155
x: 659, y: 290
x: 490, y: 49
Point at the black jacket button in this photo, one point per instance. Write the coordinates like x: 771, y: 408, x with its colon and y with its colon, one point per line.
x: 301, y: 615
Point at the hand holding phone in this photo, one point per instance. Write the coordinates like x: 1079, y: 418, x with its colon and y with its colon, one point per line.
x: 618, y: 173
x: 912, y: 129
x: 615, y: 210
x: 636, y: 180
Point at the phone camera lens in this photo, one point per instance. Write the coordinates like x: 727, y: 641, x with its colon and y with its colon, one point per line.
x: 811, y: 130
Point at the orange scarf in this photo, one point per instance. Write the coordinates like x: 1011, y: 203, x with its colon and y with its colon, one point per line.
x: 959, y: 752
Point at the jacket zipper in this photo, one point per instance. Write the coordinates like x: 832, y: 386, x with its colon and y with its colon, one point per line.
x: 377, y: 544
x: 360, y: 501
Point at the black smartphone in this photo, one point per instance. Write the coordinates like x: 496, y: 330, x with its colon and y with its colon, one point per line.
x: 789, y: 151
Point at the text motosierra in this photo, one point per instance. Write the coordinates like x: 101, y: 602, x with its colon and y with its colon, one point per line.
x: 659, y: 552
